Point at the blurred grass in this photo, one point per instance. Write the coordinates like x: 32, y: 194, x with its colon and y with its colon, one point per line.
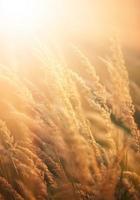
x: 62, y: 129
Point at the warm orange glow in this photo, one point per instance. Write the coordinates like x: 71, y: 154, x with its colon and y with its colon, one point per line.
x: 69, y: 100
x: 25, y: 16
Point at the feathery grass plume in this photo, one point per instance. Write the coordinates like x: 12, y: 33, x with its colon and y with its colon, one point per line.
x: 9, y: 164
x: 7, y: 191
x: 73, y: 126
x: 98, y: 90
x: 121, y: 101
x: 62, y: 131
x: 93, y: 109
x: 127, y: 191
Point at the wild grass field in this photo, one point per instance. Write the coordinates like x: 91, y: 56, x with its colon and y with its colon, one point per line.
x: 67, y: 132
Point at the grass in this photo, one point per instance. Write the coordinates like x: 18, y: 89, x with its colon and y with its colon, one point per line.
x: 59, y: 130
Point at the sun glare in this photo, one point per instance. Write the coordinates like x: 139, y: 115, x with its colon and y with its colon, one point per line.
x: 24, y: 15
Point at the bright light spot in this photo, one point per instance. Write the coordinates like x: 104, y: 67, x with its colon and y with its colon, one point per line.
x: 24, y: 15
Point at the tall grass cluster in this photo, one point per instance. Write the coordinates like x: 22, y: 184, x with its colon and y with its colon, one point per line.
x: 68, y: 134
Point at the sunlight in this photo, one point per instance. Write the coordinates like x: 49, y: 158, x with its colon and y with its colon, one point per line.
x: 24, y: 15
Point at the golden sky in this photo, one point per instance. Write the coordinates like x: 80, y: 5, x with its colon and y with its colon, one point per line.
x: 91, y: 19
x: 98, y: 18
x: 85, y: 21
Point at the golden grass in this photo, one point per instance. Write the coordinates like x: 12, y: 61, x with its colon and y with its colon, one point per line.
x: 65, y: 136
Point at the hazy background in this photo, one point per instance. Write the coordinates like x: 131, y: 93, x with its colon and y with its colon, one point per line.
x: 86, y: 23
